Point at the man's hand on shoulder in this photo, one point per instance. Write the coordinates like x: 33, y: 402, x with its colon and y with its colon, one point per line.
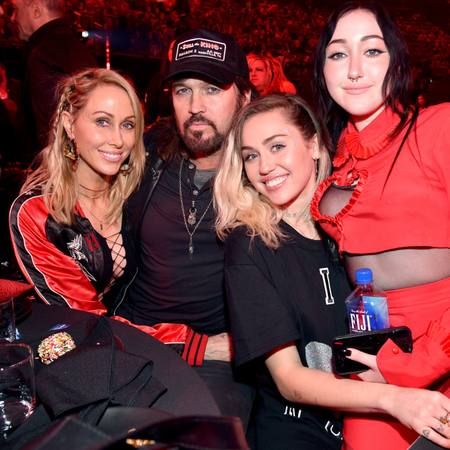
x: 219, y: 348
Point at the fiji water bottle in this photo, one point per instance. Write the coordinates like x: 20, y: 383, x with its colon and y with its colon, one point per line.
x: 366, y: 305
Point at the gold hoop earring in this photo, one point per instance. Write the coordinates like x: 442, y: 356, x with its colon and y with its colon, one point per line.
x: 72, y: 154
x: 126, y: 169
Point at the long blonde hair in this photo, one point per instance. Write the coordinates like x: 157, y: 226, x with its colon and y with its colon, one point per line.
x: 58, y: 181
x: 236, y: 201
x: 274, y: 83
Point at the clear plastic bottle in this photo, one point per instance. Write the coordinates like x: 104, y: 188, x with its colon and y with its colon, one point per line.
x: 367, y: 305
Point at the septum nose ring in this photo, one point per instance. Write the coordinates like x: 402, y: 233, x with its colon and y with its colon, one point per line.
x: 354, y: 80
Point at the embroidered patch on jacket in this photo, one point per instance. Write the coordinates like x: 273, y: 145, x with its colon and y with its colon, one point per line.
x: 75, y: 246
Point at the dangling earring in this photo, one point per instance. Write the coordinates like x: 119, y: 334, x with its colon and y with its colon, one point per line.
x: 126, y: 169
x: 72, y: 154
x: 317, y: 167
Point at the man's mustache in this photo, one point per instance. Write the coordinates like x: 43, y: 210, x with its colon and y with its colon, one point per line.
x: 198, y: 119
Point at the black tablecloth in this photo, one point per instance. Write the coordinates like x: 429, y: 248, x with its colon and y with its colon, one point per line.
x: 186, y: 392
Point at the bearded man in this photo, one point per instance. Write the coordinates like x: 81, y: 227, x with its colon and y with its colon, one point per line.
x: 178, y: 294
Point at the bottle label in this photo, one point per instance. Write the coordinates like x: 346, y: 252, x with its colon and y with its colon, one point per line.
x: 359, y: 321
x: 367, y: 313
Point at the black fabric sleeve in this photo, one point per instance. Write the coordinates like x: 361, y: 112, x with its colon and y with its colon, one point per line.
x: 260, y: 319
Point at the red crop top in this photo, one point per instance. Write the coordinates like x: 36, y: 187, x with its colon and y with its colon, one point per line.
x: 414, y: 209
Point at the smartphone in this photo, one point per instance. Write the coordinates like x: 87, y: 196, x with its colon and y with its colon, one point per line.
x: 368, y: 342
x: 423, y: 444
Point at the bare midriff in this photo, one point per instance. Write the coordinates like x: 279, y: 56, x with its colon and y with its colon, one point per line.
x: 393, y: 269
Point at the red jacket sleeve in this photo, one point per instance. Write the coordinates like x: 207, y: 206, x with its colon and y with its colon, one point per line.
x: 429, y: 360
x: 175, y: 333
x: 57, y: 277
x: 418, y: 369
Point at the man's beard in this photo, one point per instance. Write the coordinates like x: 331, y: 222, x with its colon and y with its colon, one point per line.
x: 194, y: 140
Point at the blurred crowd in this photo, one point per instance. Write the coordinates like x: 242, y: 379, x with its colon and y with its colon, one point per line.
x: 287, y: 31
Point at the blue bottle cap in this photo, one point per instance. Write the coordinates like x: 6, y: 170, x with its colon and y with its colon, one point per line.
x: 364, y: 276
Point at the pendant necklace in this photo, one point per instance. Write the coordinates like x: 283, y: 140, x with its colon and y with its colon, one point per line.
x: 192, y: 219
x: 95, y: 217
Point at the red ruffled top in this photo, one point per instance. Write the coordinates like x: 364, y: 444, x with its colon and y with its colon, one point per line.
x: 351, y: 144
x: 386, y: 210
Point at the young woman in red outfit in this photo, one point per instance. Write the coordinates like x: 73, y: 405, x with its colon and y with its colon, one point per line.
x: 387, y: 202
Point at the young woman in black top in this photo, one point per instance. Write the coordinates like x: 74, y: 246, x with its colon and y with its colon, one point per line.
x: 286, y: 288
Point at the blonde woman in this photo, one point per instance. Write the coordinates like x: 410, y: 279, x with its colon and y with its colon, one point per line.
x: 262, y: 75
x: 286, y: 85
x: 286, y: 287
x: 267, y: 75
x: 66, y: 224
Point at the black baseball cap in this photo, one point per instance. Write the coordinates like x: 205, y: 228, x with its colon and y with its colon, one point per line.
x: 216, y: 55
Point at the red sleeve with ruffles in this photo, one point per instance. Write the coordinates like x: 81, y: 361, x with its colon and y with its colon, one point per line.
x: 429, y: 360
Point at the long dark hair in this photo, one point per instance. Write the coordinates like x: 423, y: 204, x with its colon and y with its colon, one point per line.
x: 397, y: 82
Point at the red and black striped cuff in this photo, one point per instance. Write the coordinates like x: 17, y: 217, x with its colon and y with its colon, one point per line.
x: 194, y: 349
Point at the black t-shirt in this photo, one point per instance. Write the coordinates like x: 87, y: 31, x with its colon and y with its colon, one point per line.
x: 170, y: 287
x: 295, y: 293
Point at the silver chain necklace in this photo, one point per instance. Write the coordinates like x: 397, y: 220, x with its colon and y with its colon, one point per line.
x: 192, y: 212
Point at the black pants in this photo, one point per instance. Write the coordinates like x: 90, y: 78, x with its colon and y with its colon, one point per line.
x: 232, y: 393
x: 288, y: 426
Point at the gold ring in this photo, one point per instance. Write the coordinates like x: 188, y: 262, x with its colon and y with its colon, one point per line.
x: 445, y: 419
